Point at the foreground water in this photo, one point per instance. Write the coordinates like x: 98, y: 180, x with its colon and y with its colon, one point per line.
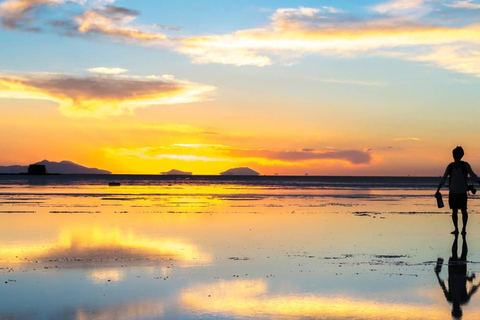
x: 71, y: 247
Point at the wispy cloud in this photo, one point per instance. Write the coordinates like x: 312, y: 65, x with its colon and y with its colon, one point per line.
x: 166, y: 27
x: 466, y: 4
x: 403, y: 7
x: 101, y: 96
x: 354, y: 82
x: 406, y: 139
x: 105, y: 70
x: 177, y: 128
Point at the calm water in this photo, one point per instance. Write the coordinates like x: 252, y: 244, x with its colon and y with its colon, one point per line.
x: 317, y: 182
x: 157, y: 247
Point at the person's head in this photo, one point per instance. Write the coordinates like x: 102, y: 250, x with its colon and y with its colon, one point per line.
x: 457, y: 312
x: 458, y: 153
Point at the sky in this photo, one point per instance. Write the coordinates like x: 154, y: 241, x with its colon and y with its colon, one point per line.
x: 344, y: 87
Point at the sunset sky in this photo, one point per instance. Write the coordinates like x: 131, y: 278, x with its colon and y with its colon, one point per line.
x: 344, y: 87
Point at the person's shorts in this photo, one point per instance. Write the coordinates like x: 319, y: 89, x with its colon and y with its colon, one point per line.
x: 457, y: 201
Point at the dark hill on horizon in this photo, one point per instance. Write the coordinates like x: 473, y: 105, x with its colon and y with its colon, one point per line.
x: 241, y: 171
x: 62, y: 167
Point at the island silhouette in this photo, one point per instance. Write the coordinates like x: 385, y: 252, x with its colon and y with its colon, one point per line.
x: 51, y: 167
x: 175, y: 172
x: 241, y: 171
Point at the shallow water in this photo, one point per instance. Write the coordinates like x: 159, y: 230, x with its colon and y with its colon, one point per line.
x: 226, y: 251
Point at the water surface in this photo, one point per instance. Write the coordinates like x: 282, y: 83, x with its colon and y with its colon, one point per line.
x: 71, y: 247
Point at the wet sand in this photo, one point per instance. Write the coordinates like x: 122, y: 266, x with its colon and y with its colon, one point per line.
x: 228, y: 254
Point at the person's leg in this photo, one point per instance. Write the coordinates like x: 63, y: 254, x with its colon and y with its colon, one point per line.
x: 465, y: 220
x: 455, y: 249
x: 463, y: 257
x: 455, y: 220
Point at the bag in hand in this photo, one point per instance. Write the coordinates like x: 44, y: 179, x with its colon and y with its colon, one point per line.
x: 440, y: 204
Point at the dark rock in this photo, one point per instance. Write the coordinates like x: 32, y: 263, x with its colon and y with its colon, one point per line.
x: 37, y: 169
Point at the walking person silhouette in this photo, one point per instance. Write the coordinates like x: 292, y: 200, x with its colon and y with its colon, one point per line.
x: 458, y: 172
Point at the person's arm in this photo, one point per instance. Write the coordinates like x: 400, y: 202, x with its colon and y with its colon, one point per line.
x: 472, y: 292
x: 442, y: 285
x: 471, y: 173
x: 444, y: 178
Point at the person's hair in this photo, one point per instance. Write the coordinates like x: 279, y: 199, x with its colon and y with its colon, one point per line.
x: 458, y: 153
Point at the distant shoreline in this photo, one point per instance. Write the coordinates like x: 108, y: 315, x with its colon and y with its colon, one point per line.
x: 210, y: 175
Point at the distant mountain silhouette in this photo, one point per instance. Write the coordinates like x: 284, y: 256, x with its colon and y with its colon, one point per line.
x: 242, y: 171
x: 63, y: 167
x: 175, y: 172
x: 13, y: 169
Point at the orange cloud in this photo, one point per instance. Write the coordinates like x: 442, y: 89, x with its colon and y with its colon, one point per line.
x: 101, y: 96
x: 113, y: 21
x: 221, y: 153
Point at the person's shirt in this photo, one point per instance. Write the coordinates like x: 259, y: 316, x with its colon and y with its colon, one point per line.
x: 458, y: 178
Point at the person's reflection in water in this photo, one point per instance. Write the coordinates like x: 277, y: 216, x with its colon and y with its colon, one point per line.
x: 457, y: 293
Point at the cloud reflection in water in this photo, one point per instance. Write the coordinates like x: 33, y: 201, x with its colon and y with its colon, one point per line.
x: 250, y: 298
x: 128, y: 311
x: 100, y: 245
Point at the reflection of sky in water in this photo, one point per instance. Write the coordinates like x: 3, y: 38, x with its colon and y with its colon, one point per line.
x: 224, y: 255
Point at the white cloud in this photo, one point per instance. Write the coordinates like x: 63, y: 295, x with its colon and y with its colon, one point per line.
x: 93, y: 3
x: 462, y: 58
x: 109, y: 71
x: 403, y: 7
